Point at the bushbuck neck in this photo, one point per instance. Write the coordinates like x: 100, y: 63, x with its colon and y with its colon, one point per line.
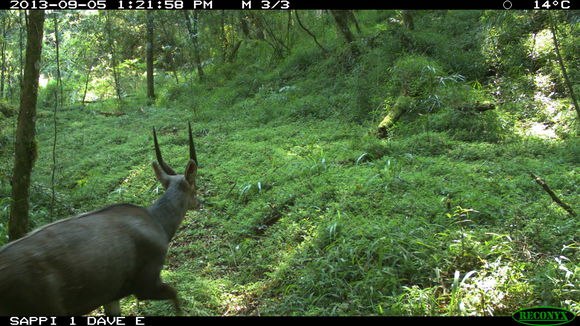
x: 170, y: 209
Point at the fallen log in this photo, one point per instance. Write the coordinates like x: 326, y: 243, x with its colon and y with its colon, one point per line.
x: 394, y: 113
x: 111, y: 114
x: 555, y: 198
x: 477, y: 107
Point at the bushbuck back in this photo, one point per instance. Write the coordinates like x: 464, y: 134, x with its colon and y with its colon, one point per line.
x: 75, y: 265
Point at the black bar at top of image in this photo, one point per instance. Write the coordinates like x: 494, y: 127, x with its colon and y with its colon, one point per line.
x: 417, y: 5
x: 286, y: 4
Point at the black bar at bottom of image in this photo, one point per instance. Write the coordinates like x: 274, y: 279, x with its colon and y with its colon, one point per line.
x: 169, y: 321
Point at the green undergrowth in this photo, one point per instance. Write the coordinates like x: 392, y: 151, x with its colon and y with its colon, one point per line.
x: 306, y: 211
x: 321, y: 218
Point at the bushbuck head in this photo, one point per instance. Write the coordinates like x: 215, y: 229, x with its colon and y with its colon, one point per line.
x: 169, y: 178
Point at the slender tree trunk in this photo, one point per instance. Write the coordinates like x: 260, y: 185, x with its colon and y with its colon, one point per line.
x: 288, y: 30
x: 3, y: 68
x: 223, y: 36
x: 23, y: 26
x: 193, y: 35
x: 258, y: 28
x: 113, y: 57
x: 171, y: 40
x: 57, y: 48
x: 57, y: 103
x: 234, y: 51
x: 244, y: 24
x: 563, y: 67
x: 150, y: 81
x: 25, y: 145
x: 5, y: 26
x: 281, y: 46
x: 87, y: 84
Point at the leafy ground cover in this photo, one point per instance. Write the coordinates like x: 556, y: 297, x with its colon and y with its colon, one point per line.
x: 307, y: 212
x: 320, y: 217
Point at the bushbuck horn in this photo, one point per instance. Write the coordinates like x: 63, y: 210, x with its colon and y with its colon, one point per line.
x: 164, y: 165
x: 192, y: 154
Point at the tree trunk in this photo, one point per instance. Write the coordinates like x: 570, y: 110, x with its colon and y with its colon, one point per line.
x: 408, y: 19
x: 5, y: 26
x: 57, y: 48
x: 150, y: 81
x: 23, y: 25
x: 87, y: 84
x: 59, y: 98
x: 243, y: 20
x: 113, y: 57
x: 257, y: 24
x: 341, y: 18
x: 223, y: 36
x: 276, y: 43
x: 25, y: 145
x: 288, y: 30
x: 234, y: 51
x: 170, y: 39
x: 563, y: 67
x: 352, y: 18
x: 193, y: 31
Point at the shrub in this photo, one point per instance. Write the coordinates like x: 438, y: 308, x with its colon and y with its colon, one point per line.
x: 467, y: 126
x: 415, y: 75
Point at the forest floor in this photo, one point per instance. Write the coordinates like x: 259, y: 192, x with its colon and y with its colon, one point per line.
x: 318, y: 216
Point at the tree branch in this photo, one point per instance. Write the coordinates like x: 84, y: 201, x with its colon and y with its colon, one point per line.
x: 555, y: 198
x: 309, y: 32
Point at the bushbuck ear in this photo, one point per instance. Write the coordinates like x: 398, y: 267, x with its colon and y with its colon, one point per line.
x: 190, y: 172
x: 160, y: 174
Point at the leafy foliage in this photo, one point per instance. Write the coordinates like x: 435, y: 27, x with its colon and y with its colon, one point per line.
x: 306, y: 211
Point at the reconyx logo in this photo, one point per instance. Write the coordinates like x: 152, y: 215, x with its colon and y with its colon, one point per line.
x: 543, y: 316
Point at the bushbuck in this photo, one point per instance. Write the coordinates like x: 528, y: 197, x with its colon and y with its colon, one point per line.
x: 75, y: 265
